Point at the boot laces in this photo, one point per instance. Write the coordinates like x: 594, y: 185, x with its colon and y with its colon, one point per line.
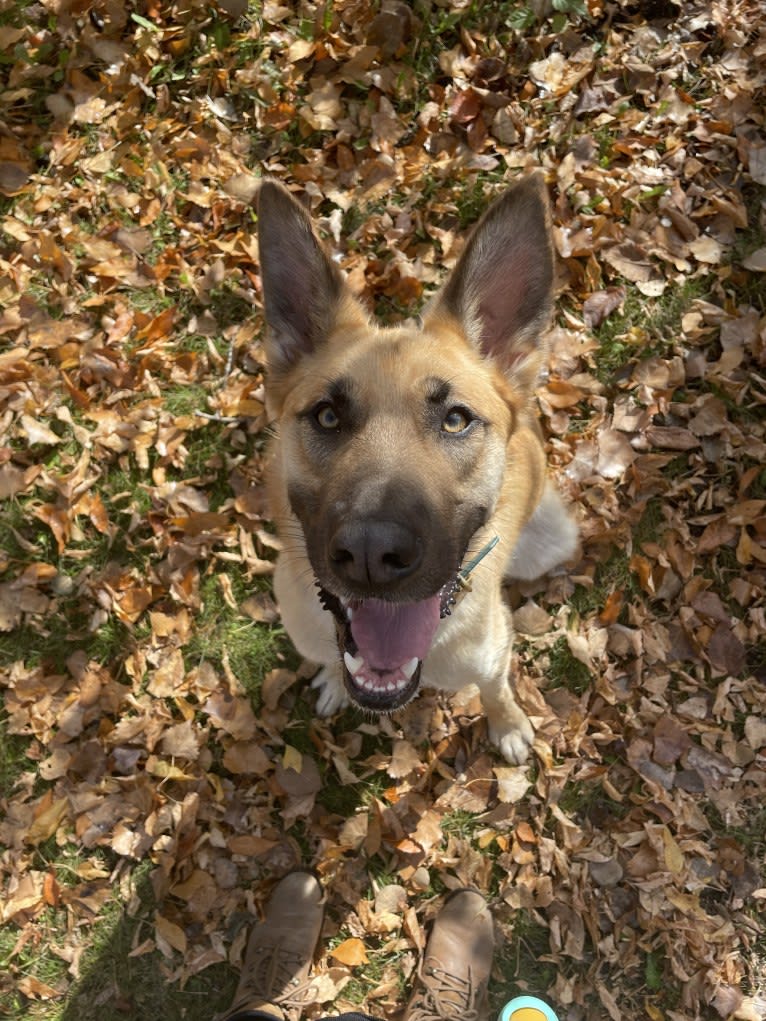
x: 272, y: 976
x: 447, y: 997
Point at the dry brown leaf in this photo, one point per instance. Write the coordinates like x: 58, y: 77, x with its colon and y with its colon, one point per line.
x: 35, y: 989
x: 404, y: 760
x: 275, y: 684
x: 49, y: 815
x: 168, y: 935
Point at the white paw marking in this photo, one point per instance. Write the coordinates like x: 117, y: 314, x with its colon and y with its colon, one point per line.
x: 332, y: 692
x: 513, y: 740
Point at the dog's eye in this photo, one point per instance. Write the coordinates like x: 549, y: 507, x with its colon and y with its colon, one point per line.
x: 456, y: 420
x: 326, y: 417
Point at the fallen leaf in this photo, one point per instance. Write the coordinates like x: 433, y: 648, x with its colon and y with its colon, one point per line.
x: 350, y: 952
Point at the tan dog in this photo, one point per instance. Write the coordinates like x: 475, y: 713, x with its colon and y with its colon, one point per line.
x: 401, y: 454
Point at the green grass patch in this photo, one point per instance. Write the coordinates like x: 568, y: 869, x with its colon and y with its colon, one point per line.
x: 748, y: 287
x: 461, y: 824
x: 114, y: 984
x: 228, y: 307
x: 345, y: 799
x: 36, y: 962
x: 206, y: 460
x: 24, y: 537
x: 13, y: 757
x: 644, y: 327
x: 583, y: 800
x: 185, y: 399
x: 520, y: 960
x: 252, y: 648
x: 751, y: 838
x: 565, y: 671
x: 50, y: 645
x: 367, y: 978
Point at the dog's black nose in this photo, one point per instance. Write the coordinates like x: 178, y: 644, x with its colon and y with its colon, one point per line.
x: 375, y: 553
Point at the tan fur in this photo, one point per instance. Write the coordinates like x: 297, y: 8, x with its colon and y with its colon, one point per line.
x: 398, y: 443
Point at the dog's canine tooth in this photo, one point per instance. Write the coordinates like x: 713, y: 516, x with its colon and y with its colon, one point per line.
x: 409, y: 668
x: 353, y: 663
x: 349, y: 614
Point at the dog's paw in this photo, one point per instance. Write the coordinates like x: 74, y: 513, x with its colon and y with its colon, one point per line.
x: 513, y: 739
x: 332, y: 691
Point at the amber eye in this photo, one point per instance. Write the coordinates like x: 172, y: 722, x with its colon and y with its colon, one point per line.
x: 456, y: 420
x: 326, y: 417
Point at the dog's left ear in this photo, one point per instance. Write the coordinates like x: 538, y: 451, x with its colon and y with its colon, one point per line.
x: 500, y: 292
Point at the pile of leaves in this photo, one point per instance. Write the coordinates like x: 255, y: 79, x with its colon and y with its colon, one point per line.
x: 161, y: 763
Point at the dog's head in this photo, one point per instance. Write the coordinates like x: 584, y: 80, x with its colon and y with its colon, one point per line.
x: 393, y: 442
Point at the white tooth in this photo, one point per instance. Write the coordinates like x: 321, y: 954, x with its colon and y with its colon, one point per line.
x: 410, y: 667
x: 353, y: 663
x: 349, y: 614
x: 391, y: 686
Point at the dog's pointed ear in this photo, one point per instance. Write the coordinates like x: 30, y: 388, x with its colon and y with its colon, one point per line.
x: 302, y: 287
x: 500, y: 292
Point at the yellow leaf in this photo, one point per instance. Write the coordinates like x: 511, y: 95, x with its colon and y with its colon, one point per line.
x: 292, y: 759
x: 674, y: 857
x: 350, y: 952
x: 485, y: 838
x: 166, y: 770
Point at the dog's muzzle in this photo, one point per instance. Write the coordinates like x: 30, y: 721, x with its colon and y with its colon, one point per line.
x: 383, y: 644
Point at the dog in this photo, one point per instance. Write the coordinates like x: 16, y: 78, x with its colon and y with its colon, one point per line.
x: 402, y: 455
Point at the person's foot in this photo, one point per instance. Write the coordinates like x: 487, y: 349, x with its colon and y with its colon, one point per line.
x: 452, y: 982
x: 275, y: 974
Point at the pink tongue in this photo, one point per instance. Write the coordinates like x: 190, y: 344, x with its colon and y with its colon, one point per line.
x: 389, y: 634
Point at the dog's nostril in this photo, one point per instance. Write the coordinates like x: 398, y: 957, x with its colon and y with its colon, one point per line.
x: 339, y: 555
x: 400, y: 560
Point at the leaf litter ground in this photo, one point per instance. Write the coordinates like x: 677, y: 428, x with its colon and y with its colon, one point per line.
x: 161, y: 764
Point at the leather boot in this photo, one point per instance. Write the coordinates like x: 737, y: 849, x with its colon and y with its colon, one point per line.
x: 453, y: 978
x: 275, y: 974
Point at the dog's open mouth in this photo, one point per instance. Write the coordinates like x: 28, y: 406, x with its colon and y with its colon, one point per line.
x: 383, y: 645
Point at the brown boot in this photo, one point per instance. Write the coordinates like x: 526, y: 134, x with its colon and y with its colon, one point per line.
x: 452, y: 983
x: 275, y: 975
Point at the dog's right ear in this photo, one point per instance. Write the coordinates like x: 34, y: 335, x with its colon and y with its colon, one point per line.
x: 302, y: 287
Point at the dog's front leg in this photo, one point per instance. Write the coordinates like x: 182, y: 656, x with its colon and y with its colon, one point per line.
x: 509, y: 727
x: 332, y: 691
x: 475, y: 647
x: 312, y: 630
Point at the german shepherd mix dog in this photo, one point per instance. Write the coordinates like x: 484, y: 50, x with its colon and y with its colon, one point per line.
x: 402, y: 454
